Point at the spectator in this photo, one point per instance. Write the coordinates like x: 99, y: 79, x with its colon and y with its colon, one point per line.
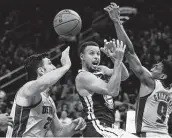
x: 3, y: 104
x: 64, y: 119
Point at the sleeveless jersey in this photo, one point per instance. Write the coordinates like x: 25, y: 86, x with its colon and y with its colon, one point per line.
x: 154, y: 109
x: 97, y: 106
x: 32, y: 121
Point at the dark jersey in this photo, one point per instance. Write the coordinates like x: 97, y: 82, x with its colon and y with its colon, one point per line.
x: 97, y: 106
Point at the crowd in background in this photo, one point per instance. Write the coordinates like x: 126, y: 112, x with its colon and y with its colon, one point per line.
x: 26, y: 32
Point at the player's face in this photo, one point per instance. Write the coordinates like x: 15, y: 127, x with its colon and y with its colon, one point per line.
x: 157, y: 71
x: 91, y: 57
x: 47, y: 65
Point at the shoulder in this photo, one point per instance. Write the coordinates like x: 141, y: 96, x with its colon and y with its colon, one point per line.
x: 52, y: 101
x: 83, y: 76
x: 83, y: 82
x: 146, y: 90
x: 147, y: 79
x: 28, y: 84
x: 25, y: 88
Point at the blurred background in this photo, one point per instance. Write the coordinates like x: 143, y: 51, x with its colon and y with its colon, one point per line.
x: 26, y: 28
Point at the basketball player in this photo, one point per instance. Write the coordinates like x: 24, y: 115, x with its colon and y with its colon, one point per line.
x: 96, y: 92
x: 33, y: 111
x: 155, y: 96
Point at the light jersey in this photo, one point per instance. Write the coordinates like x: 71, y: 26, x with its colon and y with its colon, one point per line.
x: 97, y: 106
x: 154, y: 109
x: 33, y: 121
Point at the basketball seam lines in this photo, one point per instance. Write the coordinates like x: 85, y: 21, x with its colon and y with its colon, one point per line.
x: 65, y: 22
x: 71, y: 14
x: 71, y: 30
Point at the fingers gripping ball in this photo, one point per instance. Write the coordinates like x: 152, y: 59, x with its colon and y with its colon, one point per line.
x: 67, y: 23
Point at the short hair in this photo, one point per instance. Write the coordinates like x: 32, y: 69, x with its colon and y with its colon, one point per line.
x: 167, y: 69
x: 32, y: 63
x: 85, y: 44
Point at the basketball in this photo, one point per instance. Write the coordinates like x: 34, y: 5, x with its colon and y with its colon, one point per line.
x: 67, y: 23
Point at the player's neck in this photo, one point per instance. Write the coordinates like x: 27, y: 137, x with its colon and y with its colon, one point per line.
x: 38, y: 76
x: 84, y: 68
x: 87, y: 69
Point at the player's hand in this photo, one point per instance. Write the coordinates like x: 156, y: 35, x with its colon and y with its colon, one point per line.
x: 120, y: 49
x: 113, y: 11
x: 80, y: 124
x: 104, y: 69
x: 109, y: 49
x: 5, y: 120
x: 65, y: 59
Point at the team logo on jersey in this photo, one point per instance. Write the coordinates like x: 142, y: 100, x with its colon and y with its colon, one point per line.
x: 47, y: 110
x: 108, y: 101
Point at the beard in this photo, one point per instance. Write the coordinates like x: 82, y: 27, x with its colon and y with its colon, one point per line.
x: 91, y: 69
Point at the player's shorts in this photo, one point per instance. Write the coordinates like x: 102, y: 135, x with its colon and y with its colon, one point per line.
x: 96, y: 129
x: 153, y: 135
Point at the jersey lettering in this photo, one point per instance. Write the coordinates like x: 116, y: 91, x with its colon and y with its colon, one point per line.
x: 47, y: 110
x: 47, y: 125
x: 162, y: 110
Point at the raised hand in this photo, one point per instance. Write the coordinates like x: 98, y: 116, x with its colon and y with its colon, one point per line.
x: 106, y: 46
x: 113, y: 11
x: 120, y: 49
x: 104, y: 69
x: 114, y: 49
x: 109, y: 49
x: 65, y: 59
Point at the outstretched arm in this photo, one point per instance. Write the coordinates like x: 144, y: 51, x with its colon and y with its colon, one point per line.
x: 124, y: 73
x: 142, y: 73
x: 93, y: 84
x: 50, y: 78
x: 108, y: 71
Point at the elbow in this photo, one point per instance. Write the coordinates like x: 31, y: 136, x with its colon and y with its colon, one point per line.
x: 125, y: 77
x: 115, y: 93
x: 110, y: 93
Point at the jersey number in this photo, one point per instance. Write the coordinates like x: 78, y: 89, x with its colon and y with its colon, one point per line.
x: 49, y: 119
x: 162, y: 110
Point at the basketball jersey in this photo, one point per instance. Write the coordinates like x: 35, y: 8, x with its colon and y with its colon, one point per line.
x: 32, y: 121
x: 97, y: 106
x: 154, y: 109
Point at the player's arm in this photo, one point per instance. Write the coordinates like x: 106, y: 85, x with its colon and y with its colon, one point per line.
x: 142, y: 73
x: 133, y: 60
x: 88, y: 81
x: 124, y: 73
x: 108, y: 71
x: 60, y: 130
x: 49, y: 78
